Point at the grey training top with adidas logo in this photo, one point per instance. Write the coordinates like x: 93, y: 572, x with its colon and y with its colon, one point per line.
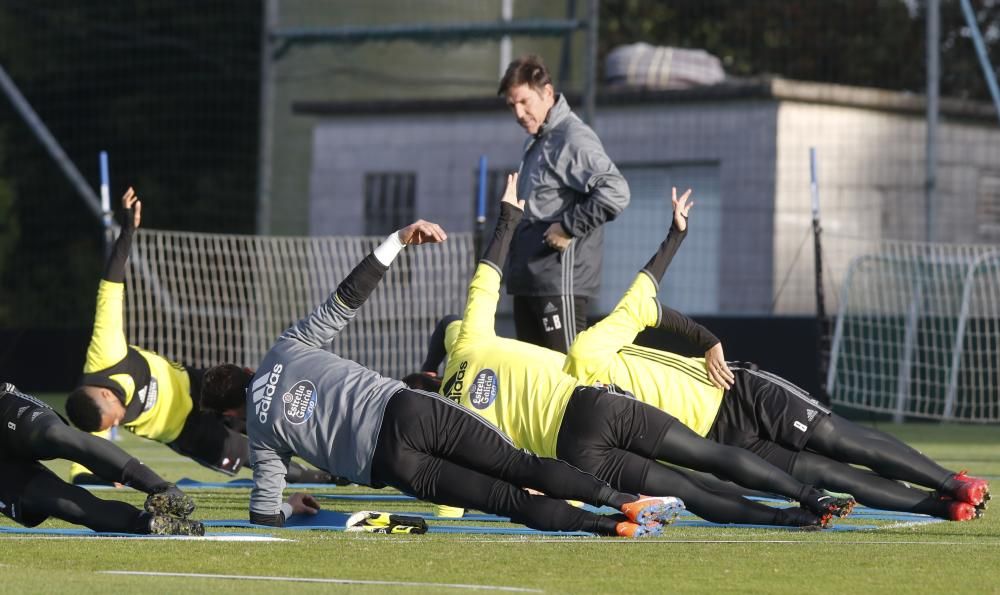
x: 309, y: 402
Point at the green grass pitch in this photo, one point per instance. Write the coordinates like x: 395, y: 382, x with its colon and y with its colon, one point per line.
x: 937, y: 558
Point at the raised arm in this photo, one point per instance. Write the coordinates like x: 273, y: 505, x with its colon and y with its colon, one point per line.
x: 320, y: 327
x: 484, y: 290
x: 673, y: 321
x: 107, y: 343
x: 658, y: 263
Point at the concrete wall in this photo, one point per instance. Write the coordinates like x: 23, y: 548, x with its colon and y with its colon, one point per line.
x: 755, y: 202
x: 871, y: 185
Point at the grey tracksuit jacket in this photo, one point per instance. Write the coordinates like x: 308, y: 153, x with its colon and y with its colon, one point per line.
x: 565, y: 176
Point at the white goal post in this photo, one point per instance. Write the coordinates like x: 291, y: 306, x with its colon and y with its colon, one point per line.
x: 204, y: 299
x: 918, y: 332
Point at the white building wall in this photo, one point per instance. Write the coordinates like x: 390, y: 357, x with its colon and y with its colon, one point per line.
x: 871, y: 184
x: 755, y: 210
x: 444, y: 150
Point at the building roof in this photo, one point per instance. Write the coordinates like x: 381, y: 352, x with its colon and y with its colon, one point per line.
x: 773, y: 88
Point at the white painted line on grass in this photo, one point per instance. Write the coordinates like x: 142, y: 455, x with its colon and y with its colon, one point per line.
x: 569, y: 541
x: 907, y: 524
x: 338, y: 581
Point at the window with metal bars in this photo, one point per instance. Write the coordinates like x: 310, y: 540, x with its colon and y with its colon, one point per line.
x: 988, y: 206
x: 390, y: 201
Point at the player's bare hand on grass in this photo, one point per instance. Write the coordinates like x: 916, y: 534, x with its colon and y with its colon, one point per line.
x: 510, y: 192
x: 717, y: 368
x: 133, y: 208
x: 302, y: 503
x: 681, y: 209
x: 422, y: 232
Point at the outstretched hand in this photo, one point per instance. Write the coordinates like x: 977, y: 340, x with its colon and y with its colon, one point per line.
x: 681, y: 209
x: 717, y: 368
x: 510, y: 192
x: 133, y: 208
x: 302, y: 503
x: 422, y: 232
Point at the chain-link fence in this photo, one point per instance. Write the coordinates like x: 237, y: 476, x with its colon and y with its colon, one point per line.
x: 306, y: 117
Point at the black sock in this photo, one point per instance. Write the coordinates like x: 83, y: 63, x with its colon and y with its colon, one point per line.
x: 140, y: 525
x: 867, y: 487
x: 613, y: 498
x: 602, y: 525
x: 142, y: 478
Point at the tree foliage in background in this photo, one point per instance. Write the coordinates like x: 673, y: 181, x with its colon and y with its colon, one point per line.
x: 872, y: 43
x: 168, y: 88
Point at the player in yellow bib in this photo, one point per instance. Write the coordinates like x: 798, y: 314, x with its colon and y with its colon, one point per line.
x: 740, y: 405
x: 521, y: 389
x: 147, y: 394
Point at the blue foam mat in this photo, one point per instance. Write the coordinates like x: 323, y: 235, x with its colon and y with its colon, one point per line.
x: 188, y: 483
x: 330, y: 520
x: 367, y: 497
x: 867, y: 514
x: 475, y: 518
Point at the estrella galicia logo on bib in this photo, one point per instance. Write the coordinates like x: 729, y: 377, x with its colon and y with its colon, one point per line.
x: 299, y: 402
x: 483, y: 390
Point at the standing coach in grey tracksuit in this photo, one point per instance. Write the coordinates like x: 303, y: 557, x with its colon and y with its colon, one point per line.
x: 571, y: 188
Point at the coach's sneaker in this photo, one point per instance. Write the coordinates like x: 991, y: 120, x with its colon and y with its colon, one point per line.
x: 973, y: 490
x: 823, y: 503
x: 383, y: 522
x: 649, y: 509
x: 164, y: 524
x: 170, y: 501
x: 636, y: 531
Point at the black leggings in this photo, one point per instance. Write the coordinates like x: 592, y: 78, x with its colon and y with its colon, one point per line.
x: 622, y: 440
x: 437, y: 451
x: 47, y: 495
x: 867, y: 487
x: 550, y: 321
x: 847, y: 442
x: 709, y: 501
x: 53, y: 439
x: 48, y: 437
